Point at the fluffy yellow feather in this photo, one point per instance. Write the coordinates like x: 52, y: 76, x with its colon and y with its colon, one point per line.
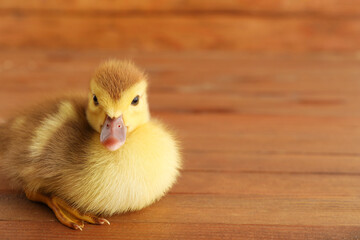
x: 54, y: 152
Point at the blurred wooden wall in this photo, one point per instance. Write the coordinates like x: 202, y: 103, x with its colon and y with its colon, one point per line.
x: 243, y: 25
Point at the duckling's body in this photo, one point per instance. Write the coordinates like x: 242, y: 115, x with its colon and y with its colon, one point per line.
x: 53, y: 150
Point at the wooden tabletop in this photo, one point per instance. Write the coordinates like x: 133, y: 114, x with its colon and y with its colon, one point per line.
x: 271, y: 144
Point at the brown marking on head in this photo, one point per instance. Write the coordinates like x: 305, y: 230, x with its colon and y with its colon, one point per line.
x: 116, y: 76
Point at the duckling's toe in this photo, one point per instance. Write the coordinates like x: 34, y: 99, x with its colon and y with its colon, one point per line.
x: 78, y: 215
x: 66, y: 214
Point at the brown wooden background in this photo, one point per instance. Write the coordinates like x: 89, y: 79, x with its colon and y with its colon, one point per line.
x: 264, y: 95
x: 242, y: 25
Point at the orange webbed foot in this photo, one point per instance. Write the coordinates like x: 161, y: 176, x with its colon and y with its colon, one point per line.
x: 65, y: 213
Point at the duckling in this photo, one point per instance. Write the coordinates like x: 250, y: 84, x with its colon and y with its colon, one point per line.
x: 94, y: 156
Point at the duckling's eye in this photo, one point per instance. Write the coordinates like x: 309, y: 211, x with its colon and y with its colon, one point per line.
x: 95, y: 100
x: 135, y: 101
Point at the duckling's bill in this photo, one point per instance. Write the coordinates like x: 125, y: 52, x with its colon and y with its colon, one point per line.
x: 113, y: 133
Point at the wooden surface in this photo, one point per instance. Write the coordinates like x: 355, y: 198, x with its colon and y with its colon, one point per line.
x: 151, y: 25
x: 270, y: 142
x: 265, y: 97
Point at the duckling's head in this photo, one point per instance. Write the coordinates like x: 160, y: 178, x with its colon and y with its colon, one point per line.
x: 117, y: 102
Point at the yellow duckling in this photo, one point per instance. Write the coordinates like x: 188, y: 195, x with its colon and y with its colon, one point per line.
x: 96, y: 157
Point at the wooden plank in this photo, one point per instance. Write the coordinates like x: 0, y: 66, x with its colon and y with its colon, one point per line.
x: 319, y: 7
x: 266, y: 134
x: 270, y: 163
x: 261, y: 184
x: 268, y: 184
x: 188, y: 72
x: 209, y: 103
x: 50, y: 230
x: 201, y: 209
x: 246, y: 33
x: 263, y: 163
x: 254, y: 104
x: 197, y: 83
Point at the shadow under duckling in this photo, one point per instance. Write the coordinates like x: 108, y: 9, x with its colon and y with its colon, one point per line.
x: 95, y: 156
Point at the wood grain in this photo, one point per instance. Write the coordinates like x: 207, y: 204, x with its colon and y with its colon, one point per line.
x: 271, y: 162
x: 189, y: 72
x: 208, y: 103
x: 289, y: 185
x: 198, y: 83
x: 266, y: 134
x: 36, y: 231
x: 223, y: 32
x: 203, y: 209
x: 320, y: 7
